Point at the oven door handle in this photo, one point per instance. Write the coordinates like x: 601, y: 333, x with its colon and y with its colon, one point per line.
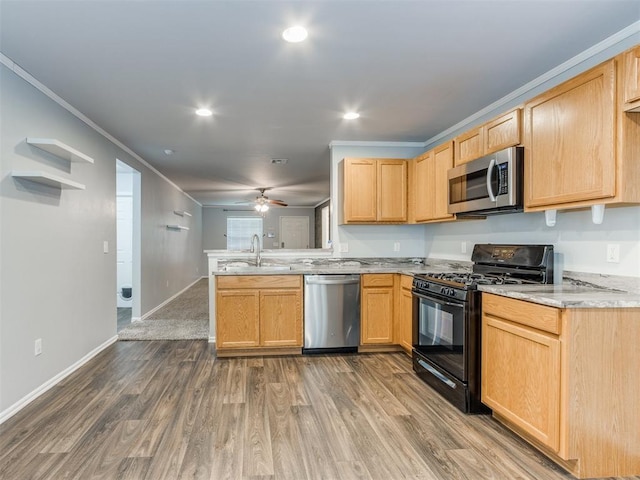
x: 439, y: 302
x: 436, y: 374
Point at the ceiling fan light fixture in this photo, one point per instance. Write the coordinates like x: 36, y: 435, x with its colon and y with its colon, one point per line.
x: 295, y: 34
x: 261, y: 207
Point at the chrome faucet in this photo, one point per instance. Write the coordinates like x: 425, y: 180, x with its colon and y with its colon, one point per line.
x: 255, y: 247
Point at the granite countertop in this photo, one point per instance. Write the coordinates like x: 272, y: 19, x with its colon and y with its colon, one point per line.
x: 338, y: 266
x: 567, y: 295
x: 578, y: 290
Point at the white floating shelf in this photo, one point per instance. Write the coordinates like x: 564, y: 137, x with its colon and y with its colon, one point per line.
x: 177, y: 227
x: 59, y: 149
x: 48, y: 179
x: 182, y: 213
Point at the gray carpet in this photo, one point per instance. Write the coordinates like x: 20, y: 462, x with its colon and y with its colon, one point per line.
x: 184, y: 318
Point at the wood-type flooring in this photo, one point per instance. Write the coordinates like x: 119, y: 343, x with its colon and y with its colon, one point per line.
x: 171, y: 410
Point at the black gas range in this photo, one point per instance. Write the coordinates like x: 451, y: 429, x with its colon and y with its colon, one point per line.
x: 447, y: 310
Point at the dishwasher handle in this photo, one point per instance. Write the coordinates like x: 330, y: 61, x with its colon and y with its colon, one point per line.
x: 331, y: 279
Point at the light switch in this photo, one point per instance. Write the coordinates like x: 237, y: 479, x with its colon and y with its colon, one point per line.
x: 105, y: 246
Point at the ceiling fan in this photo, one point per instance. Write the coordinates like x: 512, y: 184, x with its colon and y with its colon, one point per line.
x: 262, y: 202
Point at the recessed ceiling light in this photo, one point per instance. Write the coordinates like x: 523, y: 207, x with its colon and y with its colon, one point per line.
x: 279, y: 161
x: 295, y: 34
x: 204, y: 112
x: 351, y: 116
x: 169, y: 152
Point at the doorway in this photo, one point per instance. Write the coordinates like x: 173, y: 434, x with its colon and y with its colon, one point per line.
x: 128, y: 192
x: 294, y: 232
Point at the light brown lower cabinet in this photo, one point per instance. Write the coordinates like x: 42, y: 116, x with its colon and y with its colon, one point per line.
x: 566, y: 380
x: 404, y: 314
x: 377, y: 308
x: 258, y: 314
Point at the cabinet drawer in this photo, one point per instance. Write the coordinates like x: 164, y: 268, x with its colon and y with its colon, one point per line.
x: 377, y: 280
x: 533, y: 315
x: 258, y: 281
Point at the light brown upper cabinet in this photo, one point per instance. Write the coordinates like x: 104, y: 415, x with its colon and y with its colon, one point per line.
x: 429, y: 186
x: 374, y: 190
x: 581, y: 149
x: 631, y: 78
x: 497, y: 134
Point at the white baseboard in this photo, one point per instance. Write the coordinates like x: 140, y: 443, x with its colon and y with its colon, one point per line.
x: 150, y: 312
x: 23, y: 402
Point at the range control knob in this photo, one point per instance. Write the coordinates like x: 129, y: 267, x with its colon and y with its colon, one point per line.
x: 447, y: 291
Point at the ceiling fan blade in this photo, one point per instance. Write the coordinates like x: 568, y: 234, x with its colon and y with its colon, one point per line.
x: 277, y: 202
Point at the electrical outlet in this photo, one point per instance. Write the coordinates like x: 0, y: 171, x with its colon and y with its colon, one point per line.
x: 38, y: 346
x: 396, y: 246
x: 463, y: 247
x: 344, y: 247
x: 613, y: 253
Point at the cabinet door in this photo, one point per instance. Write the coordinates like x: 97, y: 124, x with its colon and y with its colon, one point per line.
x: 405, y: 315
x: 392, y: 190
x: 442, y: 162
x: 422, y: 192
x: 280, y: 318
x: 521, y: 377
x: 502, y: 132
x: 632, y: 77
x: 237, y: 318
x: 376, y: 309
x: 360, y: 185
x: 570, y: 141
x: 468, y: 146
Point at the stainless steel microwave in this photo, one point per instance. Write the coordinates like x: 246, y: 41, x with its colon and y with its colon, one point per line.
x: 489, y: 185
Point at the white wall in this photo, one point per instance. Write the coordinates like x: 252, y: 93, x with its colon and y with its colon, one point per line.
x: 581, y: 243
x: 57, y: 284
x: 373, y: 240
x: 214, y: 224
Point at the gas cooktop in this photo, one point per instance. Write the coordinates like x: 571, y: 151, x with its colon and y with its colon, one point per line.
x: 466, y: 279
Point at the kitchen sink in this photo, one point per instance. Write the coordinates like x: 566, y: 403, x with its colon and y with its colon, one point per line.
x: 253, y: 268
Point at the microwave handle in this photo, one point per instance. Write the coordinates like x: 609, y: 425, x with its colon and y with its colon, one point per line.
x: 492, y: 165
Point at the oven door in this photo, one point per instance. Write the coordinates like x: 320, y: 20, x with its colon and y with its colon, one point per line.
x: 439, y: 330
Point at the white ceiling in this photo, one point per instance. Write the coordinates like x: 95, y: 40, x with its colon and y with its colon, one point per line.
x: 411, y: 68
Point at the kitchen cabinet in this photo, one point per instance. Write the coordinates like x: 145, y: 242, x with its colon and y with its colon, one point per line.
x: 566, y: 380
x: 580, y: 148
x: 404, y: 315
x: 631, y: 79
x: 373, y: 190
x: 430, y: 193
x: 521, y: 366
x: 500, y: 133
x: 258, y: 312
x: 377, y: 308
x: 468, y: 146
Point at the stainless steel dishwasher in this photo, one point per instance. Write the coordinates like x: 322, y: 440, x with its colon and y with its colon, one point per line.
x: 331, y: 313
